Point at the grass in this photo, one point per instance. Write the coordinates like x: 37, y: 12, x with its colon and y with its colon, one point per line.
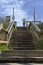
x: 4, y: 47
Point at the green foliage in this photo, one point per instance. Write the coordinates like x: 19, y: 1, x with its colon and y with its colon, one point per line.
x: 5, y: 25
x: 4, y: 47
x: 39, y: 45
x: 15, y: 29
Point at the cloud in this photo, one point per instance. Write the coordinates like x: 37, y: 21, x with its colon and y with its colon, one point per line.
x: 6, y: 8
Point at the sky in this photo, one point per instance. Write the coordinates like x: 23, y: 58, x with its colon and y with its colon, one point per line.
x: 22, y: 9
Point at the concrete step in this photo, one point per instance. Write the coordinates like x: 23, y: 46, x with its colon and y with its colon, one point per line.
x: 29, y: 41
x: 22, y: 33
x: 23, y: 48
x: 21, y: 28
x: 22, y: 43
x: 21, y: 39
x: 21, y: 60
x: 22, y: 56
x: 21, y: 36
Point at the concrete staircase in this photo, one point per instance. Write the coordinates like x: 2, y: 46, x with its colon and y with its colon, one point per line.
x: 22, y: 39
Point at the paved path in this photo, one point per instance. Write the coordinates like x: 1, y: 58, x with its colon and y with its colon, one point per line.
x: 20, y: 64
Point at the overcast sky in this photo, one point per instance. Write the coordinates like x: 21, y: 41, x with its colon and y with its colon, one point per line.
x: 22, y: 9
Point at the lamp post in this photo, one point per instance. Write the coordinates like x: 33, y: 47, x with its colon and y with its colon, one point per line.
x: 13, y: 14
